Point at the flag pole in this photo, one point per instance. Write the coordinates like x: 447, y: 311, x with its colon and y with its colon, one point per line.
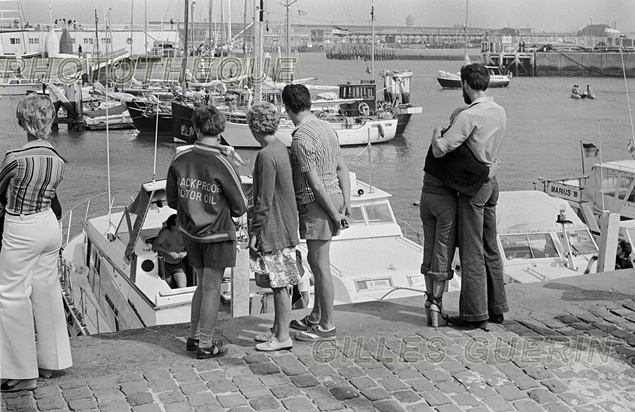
x: 582, y: 157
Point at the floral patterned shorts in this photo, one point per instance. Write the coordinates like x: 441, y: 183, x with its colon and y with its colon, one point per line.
x: 279, y: 265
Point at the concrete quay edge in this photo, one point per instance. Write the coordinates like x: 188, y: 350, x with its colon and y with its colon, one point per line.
x: 566, y: 345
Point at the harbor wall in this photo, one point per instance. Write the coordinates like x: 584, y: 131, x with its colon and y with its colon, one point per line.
x: 572, y: 64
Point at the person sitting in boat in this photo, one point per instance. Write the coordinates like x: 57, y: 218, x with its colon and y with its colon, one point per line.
x: 169, y: 242
x: 589, y: 92
x: 623, y: 258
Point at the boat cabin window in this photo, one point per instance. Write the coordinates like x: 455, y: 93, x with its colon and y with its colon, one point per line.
x: 529, y: 246
x: 379, y: 213
x: 581, y: 242
x: 357, y: 216
x: 617, y: 184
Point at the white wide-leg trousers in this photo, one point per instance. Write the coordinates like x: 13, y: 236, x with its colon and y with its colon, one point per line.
x: 30, y: 290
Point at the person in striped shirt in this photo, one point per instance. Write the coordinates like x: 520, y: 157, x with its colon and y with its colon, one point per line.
x: 29, y: 284
x: 482, y: 127
x: 322, y: 191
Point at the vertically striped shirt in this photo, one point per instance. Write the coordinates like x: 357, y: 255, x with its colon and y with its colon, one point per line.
x: 315, y: 146
x: 29, y: 176
x: 482, y: 125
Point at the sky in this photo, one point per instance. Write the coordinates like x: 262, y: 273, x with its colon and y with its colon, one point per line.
x: 541, y: 15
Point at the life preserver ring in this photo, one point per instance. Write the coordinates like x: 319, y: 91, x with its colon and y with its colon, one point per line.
x: 364, y: 109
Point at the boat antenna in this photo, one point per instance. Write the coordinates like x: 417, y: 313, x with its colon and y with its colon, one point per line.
x: 631, y: 142
x: 156, y: 140
x: 601, y: 169
x: 110, y: 199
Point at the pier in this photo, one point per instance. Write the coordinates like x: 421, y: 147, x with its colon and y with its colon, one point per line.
x: 566, y: 345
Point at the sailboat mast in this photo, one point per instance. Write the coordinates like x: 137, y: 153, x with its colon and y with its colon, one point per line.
x: 131, y: 23
x: 258, y: 49
x: 466, y: 56
x: 145, y: 25
x: 372, y: 39
x: 209, y: 37
x: 185, y: 46
x: 229, y: 24
x: 97, y: 31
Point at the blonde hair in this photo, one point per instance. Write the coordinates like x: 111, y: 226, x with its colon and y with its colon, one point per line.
x: 263, y: 118
x: 35, y: 115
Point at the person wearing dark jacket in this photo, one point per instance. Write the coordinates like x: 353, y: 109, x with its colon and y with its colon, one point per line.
x: 205, y: 189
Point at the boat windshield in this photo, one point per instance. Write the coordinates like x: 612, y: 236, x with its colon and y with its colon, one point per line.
x: 529, y: 246
x: 581, y: 242
x: 371, y: 214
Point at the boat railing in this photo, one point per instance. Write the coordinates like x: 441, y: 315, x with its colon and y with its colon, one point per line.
x: 410, y: 232
x: 90, y: 207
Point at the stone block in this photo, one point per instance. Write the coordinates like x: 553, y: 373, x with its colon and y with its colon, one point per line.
x: 82, y: 404
x: 47, y: 404
x: 304, y: 381
x: 389, y: 405
x: 375, y: 394
x: 139, y: 398
x: 171, y: 397
x: 435, y: 398
x: 407, y: 396
x: 130, y: 388
x: 542, y: 396
x: 78, y: 393
x: 285, y: 391
x: 264, y: 403
x: 148, y: 407
x: 343, y: 392
x: 221, y: 386
x: 363, y: 383
x: 498, y: 404
x: 108, y: 396
x: 232, y: 400
x: 555, y: 385
x: 200, y: 399
x: 264, y: 368
x: 298, y: 404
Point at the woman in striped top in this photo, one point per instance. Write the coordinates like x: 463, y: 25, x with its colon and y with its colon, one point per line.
x: 29, y: 285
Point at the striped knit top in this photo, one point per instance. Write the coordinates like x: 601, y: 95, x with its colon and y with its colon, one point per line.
x: 315, y: 146
x: 30, y: 176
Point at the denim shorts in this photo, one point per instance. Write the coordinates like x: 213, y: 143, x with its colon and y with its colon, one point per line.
x: 315, y: 222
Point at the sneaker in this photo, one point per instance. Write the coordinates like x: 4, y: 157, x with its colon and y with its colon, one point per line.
x: 214, y: 351
x: 315, y: 333
x: 264, y: 337
x: 303, y: 324
x: 191, y: 344
x: 274, y: 344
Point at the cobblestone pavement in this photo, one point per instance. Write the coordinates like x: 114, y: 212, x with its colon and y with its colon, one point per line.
x: 570, y: 346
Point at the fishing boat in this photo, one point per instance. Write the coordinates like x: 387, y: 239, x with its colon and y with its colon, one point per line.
x: 397, y: 97
x: 112, y: 281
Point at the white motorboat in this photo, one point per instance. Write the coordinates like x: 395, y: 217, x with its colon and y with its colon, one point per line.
x: 351, y: 130
x: 15, y: 85
x: 110, y: 274
x: 542, y: 238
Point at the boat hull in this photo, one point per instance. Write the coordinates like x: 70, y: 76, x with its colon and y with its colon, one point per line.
x: 238, y: 134
x: 449, y: 83
x: 145, y: 122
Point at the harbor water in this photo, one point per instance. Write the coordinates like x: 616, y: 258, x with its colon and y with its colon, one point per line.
x: 544, y: 130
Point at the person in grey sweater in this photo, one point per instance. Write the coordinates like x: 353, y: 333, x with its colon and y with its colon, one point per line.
x: 273, y: 233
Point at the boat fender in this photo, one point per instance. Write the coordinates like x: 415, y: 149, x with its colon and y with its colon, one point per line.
x: 382, y: 132
x: 364, y: 109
